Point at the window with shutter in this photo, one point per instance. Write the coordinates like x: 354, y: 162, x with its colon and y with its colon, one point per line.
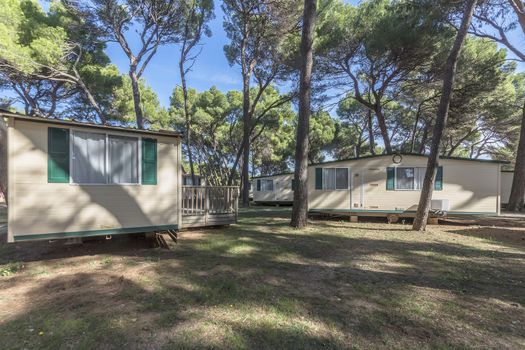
x: 58, y: 155
x: 318, y: 178
x: 149, y: 161
x: 390, y: 178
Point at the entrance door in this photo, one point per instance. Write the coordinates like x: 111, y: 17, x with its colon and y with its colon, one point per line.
x: 358, y: 192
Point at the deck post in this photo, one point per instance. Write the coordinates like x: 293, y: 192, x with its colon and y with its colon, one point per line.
x: 236, y: 202
x: 206, y: 204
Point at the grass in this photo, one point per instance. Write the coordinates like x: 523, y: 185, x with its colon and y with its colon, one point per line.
x: 261, y: 284
x: 11, y: 268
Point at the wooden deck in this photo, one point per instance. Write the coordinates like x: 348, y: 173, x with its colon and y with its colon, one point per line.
x: 209, y: 205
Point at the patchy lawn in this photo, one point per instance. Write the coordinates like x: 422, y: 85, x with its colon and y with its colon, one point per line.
x: 261, y: 284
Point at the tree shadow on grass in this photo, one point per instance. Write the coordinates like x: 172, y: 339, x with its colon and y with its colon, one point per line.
x: 509, y: 237
x: 253, y: 286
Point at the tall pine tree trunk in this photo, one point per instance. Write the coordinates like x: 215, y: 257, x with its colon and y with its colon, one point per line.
x: 187, y: 117
x: 300, y: 203
x: 420, y: 222
x: 384, y: 130
x: 136, y: 97
x: 371, y: 132
x: 3, y: 159
x: 246, y: 137
x: 517, y: 192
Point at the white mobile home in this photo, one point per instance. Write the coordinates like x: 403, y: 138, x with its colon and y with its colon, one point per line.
x: 187, y: 180
x: 390, y: 184
x: 68, y: 179
x: 273, y: 189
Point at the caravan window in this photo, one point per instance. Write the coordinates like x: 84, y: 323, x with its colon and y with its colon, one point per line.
x: 266, y: 185
x: 97, y: 159
x: 123, y: 160
x: 409, y: 178
x: 335, y: 178
x: 88, y: 158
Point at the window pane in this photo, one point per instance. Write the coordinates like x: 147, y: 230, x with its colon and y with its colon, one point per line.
x: 328, y: 179
x: 419, y: 178
x: 123, y: 160
x: 89, y: 155
x: 267, y: 185
x: 405, y: 178
x: 341, y: 179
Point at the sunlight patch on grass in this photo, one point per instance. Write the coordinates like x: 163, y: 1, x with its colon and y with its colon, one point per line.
x: 242, y: 249
x: 240, y: 326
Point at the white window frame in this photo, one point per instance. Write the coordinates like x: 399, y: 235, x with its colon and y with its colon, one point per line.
x: 405, y: 167
x: 106, y: 161
x: 348, y: 185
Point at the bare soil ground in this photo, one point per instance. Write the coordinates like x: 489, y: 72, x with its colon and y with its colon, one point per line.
x: 261, y: 284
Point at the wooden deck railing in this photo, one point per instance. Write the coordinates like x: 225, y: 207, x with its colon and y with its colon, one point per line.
x: 205, y: 204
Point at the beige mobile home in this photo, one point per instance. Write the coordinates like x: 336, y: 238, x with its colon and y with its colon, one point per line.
x: 273, y: 189
x: 69, y: 179
x: 390, y: 184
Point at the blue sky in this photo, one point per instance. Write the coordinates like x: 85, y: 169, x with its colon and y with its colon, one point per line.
x: 211, y: 68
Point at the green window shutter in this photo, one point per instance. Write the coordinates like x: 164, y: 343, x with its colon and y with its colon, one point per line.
x: 390, y: 178
x: 438, y: 184
x: 318, y: 178
x: 259, y: 185
x: 149, y: 161
x: 57, y: 155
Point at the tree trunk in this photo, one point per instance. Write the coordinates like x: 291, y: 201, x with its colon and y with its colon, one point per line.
x: 187, y: 117
x: 384, y: 130
x: 300, y: 203
x: 414, y: 132
x: 240, y: 152
x: 3, y: 159
x: 371, y: 132
x: 420, y: 221
x: 90, y: 97
x: 517, y: 192
x: 245, y: 174
x: 519, y: 9
x: 136, y: 98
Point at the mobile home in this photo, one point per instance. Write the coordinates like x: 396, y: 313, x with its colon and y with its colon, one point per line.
x: 390, y: 184
x: 187, y: 180
x: 273, y: 189
x: 69, y: 179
